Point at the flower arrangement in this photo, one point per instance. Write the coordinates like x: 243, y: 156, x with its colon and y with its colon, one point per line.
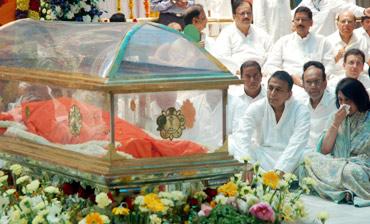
x: 70, y: 10
x: 267, y: 199
x: 27, y: 8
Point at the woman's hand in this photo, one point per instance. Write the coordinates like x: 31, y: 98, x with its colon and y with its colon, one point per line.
x: 340, y: 115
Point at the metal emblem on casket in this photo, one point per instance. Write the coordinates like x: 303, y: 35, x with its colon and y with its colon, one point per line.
x: 75, y: 120
x: 171, y: 123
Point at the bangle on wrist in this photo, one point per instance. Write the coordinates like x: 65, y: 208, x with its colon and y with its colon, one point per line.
x: 334, y: 126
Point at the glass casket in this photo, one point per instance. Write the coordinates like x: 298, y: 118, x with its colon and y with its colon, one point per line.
x: 118, y: 105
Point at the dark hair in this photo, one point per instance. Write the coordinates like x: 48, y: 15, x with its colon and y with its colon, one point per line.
x: 118, y: 17
x: 192, y: 12
x: 356, y: 52
x: 363, y: 18
x: 304, y: 9
x: 315, y: 64
x: 355, y: 91
x: 250, y: 63
x: 284, y: 76
x: 236, y: 3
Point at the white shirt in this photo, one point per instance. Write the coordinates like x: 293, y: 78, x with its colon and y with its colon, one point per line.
x: 273, y: 16
x: 291, y: 52
x: 234, y: 48
x: 363, y: 78
x: 362, y: 32
x: 320, y: 116
x: 356, y: 41
x: 238, y: 103
x: 325, y: 11
x: 278, y: 145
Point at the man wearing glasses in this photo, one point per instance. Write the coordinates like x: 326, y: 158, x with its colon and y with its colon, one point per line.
x: 320, y: 103
x: 281, y: 125
x: 242, y: 41
x: 344, y: 39
x: 293, y: 50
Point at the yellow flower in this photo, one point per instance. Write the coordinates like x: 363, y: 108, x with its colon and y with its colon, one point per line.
x: 120, y: 211
x: 213, y: 204
x: 94, y: 218
x: 271, y: 179
x: 153, y: 203
x: 230, y: 189
x: 187, y: 208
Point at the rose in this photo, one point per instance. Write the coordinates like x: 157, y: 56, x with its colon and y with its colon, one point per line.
x: 205, y: 210
x: 263, y: 211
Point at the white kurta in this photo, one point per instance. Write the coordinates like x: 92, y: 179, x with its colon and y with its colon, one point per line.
x: 237, y: 104
x: 363, y: 78
x: 234, y: 48
x: 278, y: 145
x: 362, y: 32
x: 291, y: 52
x: 273, y: 16
x: 325, y: 11
x: 319, y: 116
x: 356, y: 41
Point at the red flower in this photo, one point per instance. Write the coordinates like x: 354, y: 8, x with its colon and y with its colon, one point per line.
x: 134, y: 20
x: 34, y: 5
x: 110, y: 196
x: 193, y: 202
x: 130, y: 203
x: 68, y: 188
x: 211, y: 192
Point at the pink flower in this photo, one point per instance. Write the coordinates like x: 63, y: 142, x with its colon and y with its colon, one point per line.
x: 205, y: 210
x: 263, y: 211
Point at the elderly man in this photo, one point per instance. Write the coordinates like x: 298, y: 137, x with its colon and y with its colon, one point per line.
x: 344, y: 39
x: 170, y: 10
x: 241, y: 40
x: 293, y: 50
x: 281, y: 125
x: 353, y: 63
x: 324, y: 12
x: 240, y: 97
x: 321, y: 102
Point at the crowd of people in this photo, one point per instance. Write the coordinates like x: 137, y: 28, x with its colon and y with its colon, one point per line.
x: 305, y: 97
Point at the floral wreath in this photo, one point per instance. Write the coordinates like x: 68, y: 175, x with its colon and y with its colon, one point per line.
x: 27, y: 9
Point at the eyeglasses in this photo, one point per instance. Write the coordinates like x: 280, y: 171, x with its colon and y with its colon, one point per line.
x: 313, y: 82
x: 346, y: 21
x: 243, y: 14
x: 296, y: 20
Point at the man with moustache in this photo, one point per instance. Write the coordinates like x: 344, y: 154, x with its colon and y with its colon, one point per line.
x: 281, y: 125
x: 320, y: 103
x: 242, y: 41
x: 293, y: 50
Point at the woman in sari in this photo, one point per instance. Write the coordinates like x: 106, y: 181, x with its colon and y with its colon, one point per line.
x: 341, y: 167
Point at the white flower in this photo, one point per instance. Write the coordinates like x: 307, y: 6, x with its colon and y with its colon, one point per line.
x: 309, y: 181
x: 10, y: 191
x: 4, y: 219
x: 33, y: 186
x: 15, y: 215
x: 322, y: 216
x: 22, y: 179
x: 51, y: 190
x: 87, y: 8
x: 167, y: 202
x: 48, y: 12
x: 54, y: 214
x: 48, y: 17
x: 283, y: 184
x: 288, y: 177
x: 4, y: 201
x: 1, y: 173
x: 242, y: 205
x: 139, y: 200
x: 58, y: 10
x: 69, y: 15
x: 3, y: 178
x: 105, y: 219
x: 221, y: 199
x: 102, y: 200
x: 40, y: 206
x: 75, y: 9
x: 251, y: 199
x: 154, y: 219
x: 86, y: 18
x: 43, y: 10
x: 25, y: 205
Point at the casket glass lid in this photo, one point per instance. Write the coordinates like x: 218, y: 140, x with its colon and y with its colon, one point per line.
x: 114, y: 53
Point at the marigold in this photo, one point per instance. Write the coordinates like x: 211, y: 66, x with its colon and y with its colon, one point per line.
x: 271, y: 179
x: 230, y: 189
x: 153, y: 203
x: 120, y: 211
x: 94, y: 218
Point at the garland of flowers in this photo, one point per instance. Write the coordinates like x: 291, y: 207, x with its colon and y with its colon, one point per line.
x: 70, y: 10
x: 131, y: 8
x: 27, y: 9
x: 146, y: 8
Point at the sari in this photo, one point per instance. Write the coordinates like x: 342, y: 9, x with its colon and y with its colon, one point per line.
x: 347, y: 168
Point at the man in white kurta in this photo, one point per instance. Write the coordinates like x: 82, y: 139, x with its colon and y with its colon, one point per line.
x: 324, y: 12
x: 293, y: 50
x: 344, y: 39
x: 320, y: 103
x: 242, y: 41
x: 364, y: 31
x: 273, y: 16
x: 281, y: 125
x: 241, y: 96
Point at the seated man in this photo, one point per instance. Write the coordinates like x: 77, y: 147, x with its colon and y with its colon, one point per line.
x: 242, y: 40
x: 281, y: 125
x: 321, y: 102
x: 344, y: 39
x: 195, y: 21
x: 353, y: 63
x: 241, y: 96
